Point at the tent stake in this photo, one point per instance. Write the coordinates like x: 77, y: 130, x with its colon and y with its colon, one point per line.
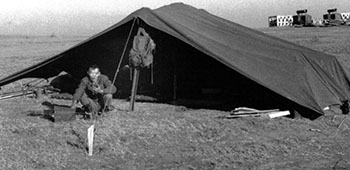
x: 134, y: 88
x: 91, y: 139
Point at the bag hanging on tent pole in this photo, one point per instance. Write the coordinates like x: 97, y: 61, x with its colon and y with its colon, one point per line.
x: 141, y: 55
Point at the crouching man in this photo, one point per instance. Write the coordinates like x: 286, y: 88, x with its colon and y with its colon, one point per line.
x: 95, y: 92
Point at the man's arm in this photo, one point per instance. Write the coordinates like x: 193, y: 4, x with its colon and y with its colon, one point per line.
x: 79, y: 92
x: 109, y: 87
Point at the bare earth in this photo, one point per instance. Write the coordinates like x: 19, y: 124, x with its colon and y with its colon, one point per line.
x: 162, y: 136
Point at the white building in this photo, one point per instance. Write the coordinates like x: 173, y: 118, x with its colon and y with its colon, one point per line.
x: 345, y: 16
x: 280, y: 21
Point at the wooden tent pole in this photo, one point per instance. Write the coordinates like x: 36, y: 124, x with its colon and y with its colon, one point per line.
x: 134, y: 88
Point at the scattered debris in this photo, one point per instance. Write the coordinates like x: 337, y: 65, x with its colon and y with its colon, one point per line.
x: 246, y: 110
x: 278, y: 114
x: 29, y: 90
x: 315, y: 130
x: 341, y: 123
x: 250, y: 112
x: 64, y: 96
x: 143, y: 98
x: 327, y: 108
x: 180, y: 109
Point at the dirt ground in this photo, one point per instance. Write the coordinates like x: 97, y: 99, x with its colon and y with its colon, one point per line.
x: 163, y: 136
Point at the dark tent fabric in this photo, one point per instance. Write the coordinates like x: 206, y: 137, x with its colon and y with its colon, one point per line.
x: 187, y: 37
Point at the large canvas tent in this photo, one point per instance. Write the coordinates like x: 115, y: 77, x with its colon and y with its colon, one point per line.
x: 199, y: 53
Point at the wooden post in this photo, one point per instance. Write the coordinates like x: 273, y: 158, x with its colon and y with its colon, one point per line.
x: 91, y: 139
x: 134, y: 88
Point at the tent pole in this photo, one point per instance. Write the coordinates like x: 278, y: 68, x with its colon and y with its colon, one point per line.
x: 125, y: 46
x: 121, y: 57
x: 134, y: 88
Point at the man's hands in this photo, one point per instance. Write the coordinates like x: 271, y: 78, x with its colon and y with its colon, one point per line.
x: 97, y: 90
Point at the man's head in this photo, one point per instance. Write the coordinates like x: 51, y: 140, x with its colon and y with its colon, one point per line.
x: 93, y: 72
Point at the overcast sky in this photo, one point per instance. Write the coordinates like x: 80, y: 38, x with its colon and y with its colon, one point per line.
x: 74, y: 17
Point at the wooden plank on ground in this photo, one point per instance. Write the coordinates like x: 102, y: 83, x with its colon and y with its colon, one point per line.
x: 254, y: 111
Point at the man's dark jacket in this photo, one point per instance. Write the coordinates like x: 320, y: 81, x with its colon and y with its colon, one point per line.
x: 86, y: 85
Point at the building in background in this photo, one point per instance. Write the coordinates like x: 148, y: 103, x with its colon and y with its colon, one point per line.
x: 345, y: 16
x: 333, y: 18
x: 302, y: 18
x: 280, y: 21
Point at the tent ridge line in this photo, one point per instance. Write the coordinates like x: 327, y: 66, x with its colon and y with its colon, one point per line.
x: 187, y: 39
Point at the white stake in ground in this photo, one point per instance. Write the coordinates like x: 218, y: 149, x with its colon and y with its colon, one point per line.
x: 90, y: 139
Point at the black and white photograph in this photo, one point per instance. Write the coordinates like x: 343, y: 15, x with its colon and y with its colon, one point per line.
x: 174, y: 85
